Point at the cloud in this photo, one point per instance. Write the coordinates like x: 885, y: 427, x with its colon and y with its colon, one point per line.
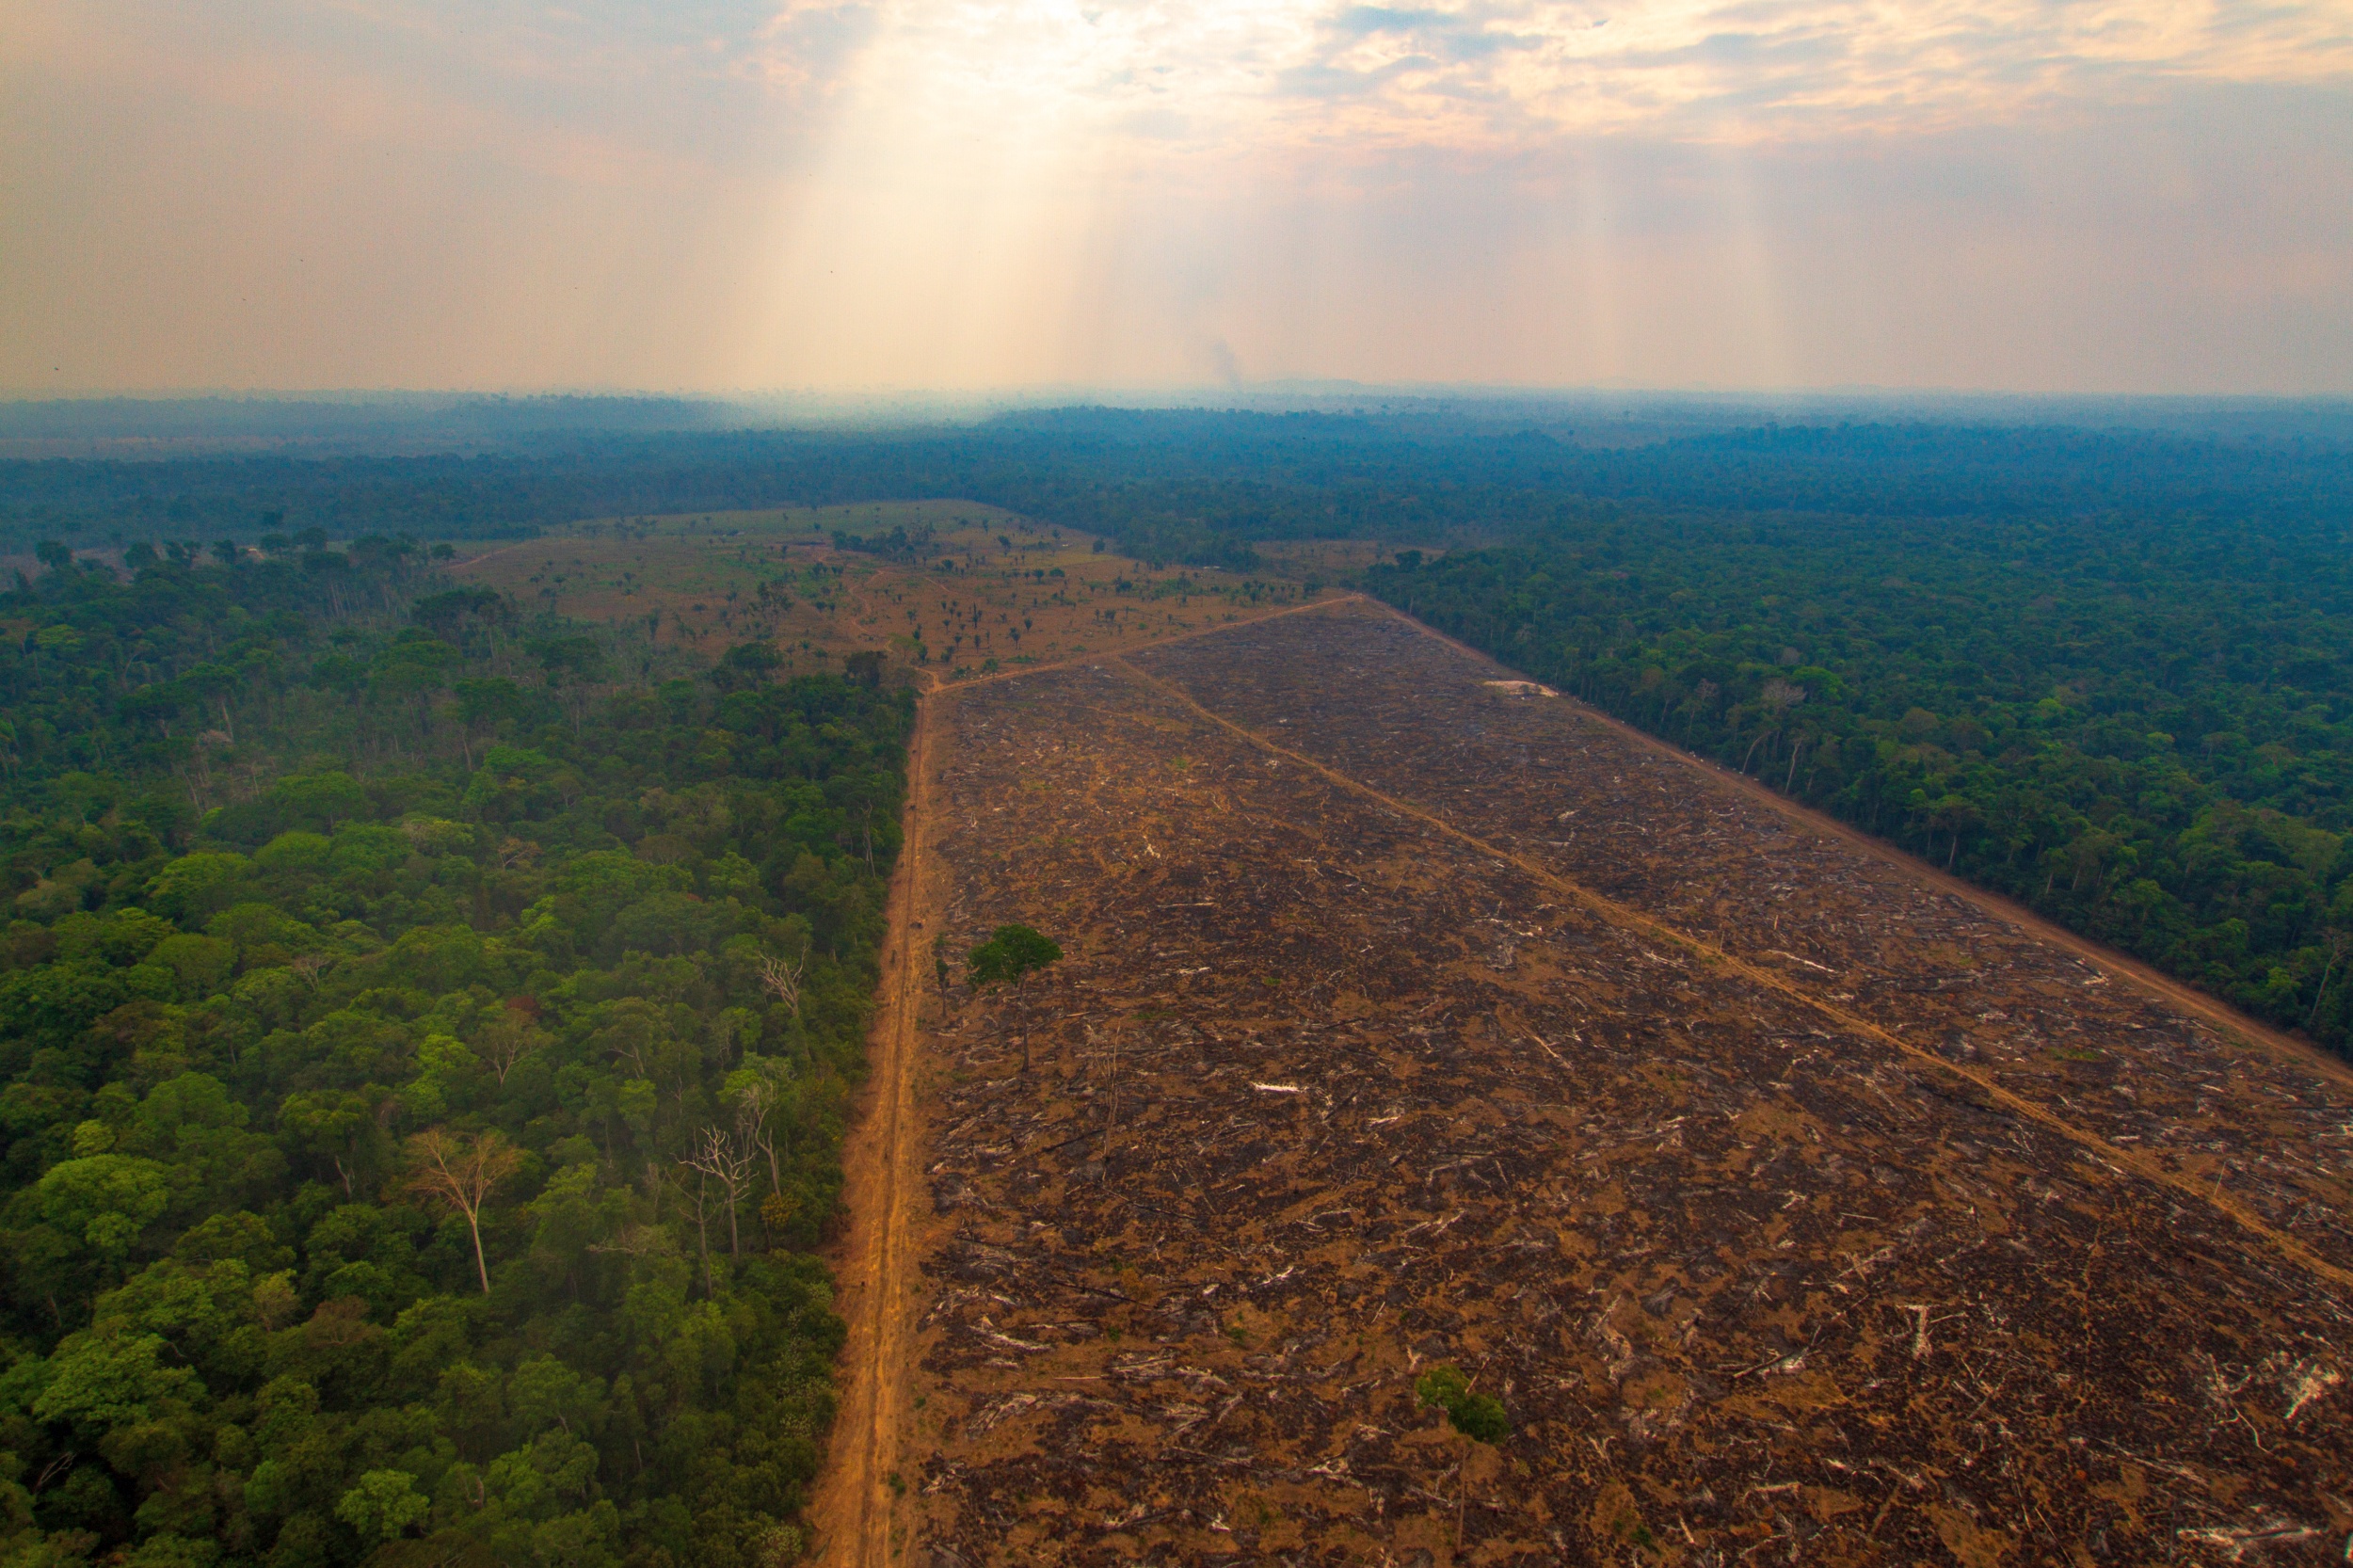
x: 1450, y: 34
x: 764, y: 78
x: 2097, y: 193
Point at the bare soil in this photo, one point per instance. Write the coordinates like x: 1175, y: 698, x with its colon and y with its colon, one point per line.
x: 1795, y: 1206
x: 852, y: 1514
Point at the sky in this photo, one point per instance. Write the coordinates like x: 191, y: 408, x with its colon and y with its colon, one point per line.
x: 2040, y: 196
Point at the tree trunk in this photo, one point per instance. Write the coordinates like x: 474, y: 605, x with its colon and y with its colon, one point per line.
x: 702, y: 1243
x: 474, y: 1223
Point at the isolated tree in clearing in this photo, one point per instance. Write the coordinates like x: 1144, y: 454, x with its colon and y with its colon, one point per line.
x: 1010, y: 953
x: 1478, y: 1416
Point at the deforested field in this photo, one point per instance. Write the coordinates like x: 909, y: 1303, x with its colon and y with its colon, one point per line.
x: 1795, y: 1207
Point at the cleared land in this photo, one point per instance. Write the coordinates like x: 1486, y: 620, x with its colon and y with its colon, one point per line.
x: 1795, y: 1207
x: 961, y: 591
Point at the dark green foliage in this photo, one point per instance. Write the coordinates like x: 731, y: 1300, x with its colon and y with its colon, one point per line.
x: 899, y: 544
x: 1201, y: 487
x: 302, y: 865
x: 1012, y: 954
x: 1478, y: 1416
x: 2142, y: 728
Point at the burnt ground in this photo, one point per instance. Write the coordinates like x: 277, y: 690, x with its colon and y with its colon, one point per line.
x: 1795, y: 1209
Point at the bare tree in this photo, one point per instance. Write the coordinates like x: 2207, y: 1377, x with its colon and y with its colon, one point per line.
x: 758, y: 1101
x: 720, y: 1158
x: 460, y: 1170
x: 1779, y: 697
x: 781, y: 977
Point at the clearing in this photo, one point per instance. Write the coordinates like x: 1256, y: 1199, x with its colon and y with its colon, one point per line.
x: 951, y: 589
x: 1794, y: 1205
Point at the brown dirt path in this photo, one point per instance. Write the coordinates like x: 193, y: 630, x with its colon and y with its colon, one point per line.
x: 852, y: 1514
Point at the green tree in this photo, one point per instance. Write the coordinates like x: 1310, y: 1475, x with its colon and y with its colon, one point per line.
x: 384, y: 1505
x: 485, y: 702
x: 322, y: 800
x: 1478, y: 1416
x: 100, y: 1383
x: 1011, y: 954
x: 105, y: 1200
x: 340, y: 1127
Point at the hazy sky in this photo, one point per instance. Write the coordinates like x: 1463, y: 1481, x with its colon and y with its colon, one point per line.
x: 2036, y: 195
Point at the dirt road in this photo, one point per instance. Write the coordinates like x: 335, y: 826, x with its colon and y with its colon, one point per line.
x: 851, y: 1513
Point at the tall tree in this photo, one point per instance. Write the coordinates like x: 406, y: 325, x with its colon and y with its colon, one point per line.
x: 460, y: 1171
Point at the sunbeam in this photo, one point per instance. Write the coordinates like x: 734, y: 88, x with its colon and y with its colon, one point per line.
x: 934, y: 192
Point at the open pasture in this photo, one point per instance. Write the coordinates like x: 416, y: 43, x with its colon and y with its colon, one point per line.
x: 1794, y: 1208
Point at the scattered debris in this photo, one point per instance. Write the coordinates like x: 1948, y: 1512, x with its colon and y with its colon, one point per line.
x: 1676, y: 1202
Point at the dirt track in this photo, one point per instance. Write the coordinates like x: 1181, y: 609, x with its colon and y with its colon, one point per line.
x: 1793, y: 1204
x: 852, y: 1511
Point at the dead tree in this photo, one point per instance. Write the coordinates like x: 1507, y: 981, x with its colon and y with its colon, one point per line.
x: 781, y: 979
x: 759, y: 1106
x: 724, y: 1160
